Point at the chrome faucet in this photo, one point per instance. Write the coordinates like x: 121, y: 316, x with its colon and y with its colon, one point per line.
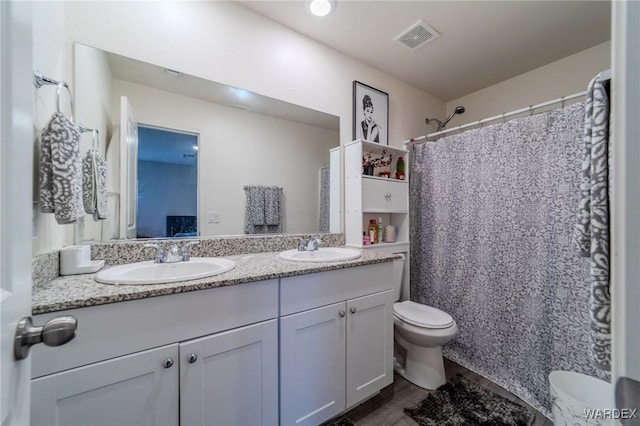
x: 172, y: 255
x: 160, y: 253
x: 184, y: 253
x: 310, y: 244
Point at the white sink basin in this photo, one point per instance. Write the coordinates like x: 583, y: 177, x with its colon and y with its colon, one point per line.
x: 159, y: 273
x: 323, y: 254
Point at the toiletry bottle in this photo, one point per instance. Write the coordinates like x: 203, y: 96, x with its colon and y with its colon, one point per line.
x: 380, y: 230
x: 400, y: 169
x: 365, y: 240
x: 373, y: 231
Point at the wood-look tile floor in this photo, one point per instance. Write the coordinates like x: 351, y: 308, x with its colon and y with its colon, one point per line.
x: 387, y: 408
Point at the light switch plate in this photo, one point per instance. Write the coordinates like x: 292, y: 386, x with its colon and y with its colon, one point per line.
x: 213, y: 217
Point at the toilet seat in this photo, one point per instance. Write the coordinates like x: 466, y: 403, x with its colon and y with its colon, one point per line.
x: 422, y: 315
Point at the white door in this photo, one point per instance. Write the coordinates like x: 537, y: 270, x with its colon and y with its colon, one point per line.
x: 16, y: 157
x: 231, y: 378
x: 626, y: 223
x: 138, y: 389
x: 312, y: 365
x: 128, y: 169
x: 369, y: 345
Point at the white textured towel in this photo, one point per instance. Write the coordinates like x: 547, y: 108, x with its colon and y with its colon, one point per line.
x: 94, y: 185
x: 60, y: 170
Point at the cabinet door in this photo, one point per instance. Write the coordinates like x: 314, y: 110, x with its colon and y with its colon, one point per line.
x: 231, y: 378
x: 398, y: 196
x: 374, y: 195
x: 384, y: 195
x: 369, y: 345
x: 138, y: 389
x: 312, y: 365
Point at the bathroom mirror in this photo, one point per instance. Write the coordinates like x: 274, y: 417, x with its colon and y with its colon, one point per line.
x: 237, y: 139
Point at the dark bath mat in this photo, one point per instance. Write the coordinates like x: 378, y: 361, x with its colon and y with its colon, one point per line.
x: 340, y: 421
x: 459, y: 402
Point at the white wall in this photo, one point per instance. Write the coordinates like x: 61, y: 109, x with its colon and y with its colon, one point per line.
x: 564, y: 77
x: 225, y: 42
x: 236, y: 148
x: 50, y: 58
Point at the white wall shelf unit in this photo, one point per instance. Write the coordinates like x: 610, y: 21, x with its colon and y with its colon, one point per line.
x: 373, y: 197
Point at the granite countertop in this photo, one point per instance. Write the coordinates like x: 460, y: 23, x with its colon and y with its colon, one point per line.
x: 77, y: 291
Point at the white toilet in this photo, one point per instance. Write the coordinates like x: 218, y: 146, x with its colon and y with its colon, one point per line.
x: 419, y: 333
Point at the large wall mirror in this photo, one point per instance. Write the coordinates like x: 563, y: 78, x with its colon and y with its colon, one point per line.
x: 182, y: 153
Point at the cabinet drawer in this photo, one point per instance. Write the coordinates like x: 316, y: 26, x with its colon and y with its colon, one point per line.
x: 115, y: 329
x: 384, y: 195
x: 323, y: 288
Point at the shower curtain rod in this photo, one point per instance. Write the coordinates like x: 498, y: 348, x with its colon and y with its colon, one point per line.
x: 502, y: 116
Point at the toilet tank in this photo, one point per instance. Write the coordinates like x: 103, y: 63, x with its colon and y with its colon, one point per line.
x: 398, y: 276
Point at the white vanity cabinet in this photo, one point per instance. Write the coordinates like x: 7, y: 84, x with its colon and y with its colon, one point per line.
x: 374, y: 197
x: 108, y: 375
x: 336, y: 341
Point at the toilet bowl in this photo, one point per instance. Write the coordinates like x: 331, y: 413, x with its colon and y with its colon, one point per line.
x: 419, y: 333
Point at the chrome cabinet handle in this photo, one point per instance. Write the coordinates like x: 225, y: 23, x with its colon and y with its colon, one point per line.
x: 353, y: 310
x: 168, y: 363
x: 342, y: 314
x: 192, y: 358
x: 57, y: 331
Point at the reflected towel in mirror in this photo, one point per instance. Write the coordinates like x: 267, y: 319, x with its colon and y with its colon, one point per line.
x: 263, y: 211
x: 94, y: 185
x: 272, y: 205
x: 255, y: 204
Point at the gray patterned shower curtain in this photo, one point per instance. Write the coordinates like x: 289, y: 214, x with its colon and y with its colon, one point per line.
x: 493, y: 213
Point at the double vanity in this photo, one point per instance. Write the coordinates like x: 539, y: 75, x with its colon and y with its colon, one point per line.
x: 282, y: 337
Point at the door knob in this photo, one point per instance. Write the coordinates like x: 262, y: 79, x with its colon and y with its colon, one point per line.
x: 192, y: 358
x: 353, y: 310
x: 57, y: 331
x: 167, y: 363
x: 342, y: 314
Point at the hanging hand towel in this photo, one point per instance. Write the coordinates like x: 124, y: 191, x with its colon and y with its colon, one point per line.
x: 272, y: 205
x: 591, y: 232
x: 60, y: 170
x: 255, y: 204
x: 94, y: 185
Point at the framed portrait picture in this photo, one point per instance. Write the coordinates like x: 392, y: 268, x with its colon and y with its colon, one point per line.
x: 370, y: 114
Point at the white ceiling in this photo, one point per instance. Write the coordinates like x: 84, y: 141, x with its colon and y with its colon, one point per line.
x: 482, y: 42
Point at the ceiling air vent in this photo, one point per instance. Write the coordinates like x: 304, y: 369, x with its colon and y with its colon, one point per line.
x: 417, y: 36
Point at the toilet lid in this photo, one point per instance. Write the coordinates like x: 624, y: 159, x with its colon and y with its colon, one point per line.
x: 422, y: 315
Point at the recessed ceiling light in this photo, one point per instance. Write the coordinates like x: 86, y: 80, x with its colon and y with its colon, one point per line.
x: 321, y: 7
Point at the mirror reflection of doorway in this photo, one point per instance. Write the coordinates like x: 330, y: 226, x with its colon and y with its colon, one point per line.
x: 167, y: 183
